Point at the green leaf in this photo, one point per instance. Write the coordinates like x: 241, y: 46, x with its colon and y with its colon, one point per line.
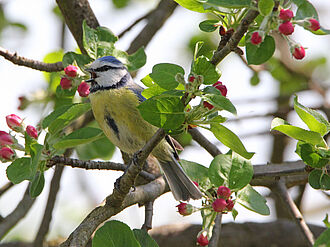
x: 35, y: 151
x: 19, y: 170
x: 323, y: 240
x: 310, y: 156
x: 297, y: 132
x: 234, y: 213
x: 153, y: 91
x: 314, y: 120
x: 325, y: 182
x: 255, y: 80
x: 72, y: 113
x: 219, y: 169
x: 314, y: 179
x: 221, y: 102
x: 260, y: 54
x: 193, y: 5
x: 326, y: 221
x: 136, y: 60
x: 229, y: 139
x: 163, y: 112
x: 144, y: 238
x: 78, y: 137
x: 120, y: 3
x: 252, y: 200
x: 37, y: 184
x: 202, y: 66
x: 54, y: 115
x: 80, y: 59
x: 231, y: 3
x: 305, y: 10
x: 197, y: 173
x: 147, y: 81
x: 265, y: 7
x: 241, y: 173
x: 164, y: 75
x: 198, y: 47
x: 113, y: 234
x: 208, y: 25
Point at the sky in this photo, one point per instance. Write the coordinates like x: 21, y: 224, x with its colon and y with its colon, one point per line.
x: 83, y: 190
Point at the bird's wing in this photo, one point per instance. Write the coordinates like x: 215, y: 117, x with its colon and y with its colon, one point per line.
x: 137, y: 90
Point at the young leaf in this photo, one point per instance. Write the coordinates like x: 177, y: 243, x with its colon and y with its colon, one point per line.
x: 252, y: 200
x: 54, y: 115
x: 208, y: 25
x: 314, y: 178
x: 19, y: 170
x: 297, y: 132
x: 197, y: 173
x: 326, y: 221
x: 229, y: 139
x: 71, y: 57
x: 262, y: 53
x: 35, y: 151
x: 231, y: 3
x: 221, y: 102
x: 144, y: 238
x: 114, y: 233
x: 164, y: 75
x: 147, y: 81
x: 305, y: 10
x: 198, y: 47
x: 265, y: 7
x: 314, y: 120
x: 163, y: 112
x: 310, y: 156
x: 75, y: 111
x: 323, y: 240
x: 202, y: 66
x: 193, y: 5
x: 37, y: 184
x: 78, y: 137
x: 152, y: 91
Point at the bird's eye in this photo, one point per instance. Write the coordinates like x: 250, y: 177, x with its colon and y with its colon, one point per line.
x: 93, y: 75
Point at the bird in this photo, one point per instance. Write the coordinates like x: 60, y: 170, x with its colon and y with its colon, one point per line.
x: 114, y: 97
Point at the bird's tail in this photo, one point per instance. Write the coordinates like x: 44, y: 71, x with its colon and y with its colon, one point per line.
x: 180, y: 184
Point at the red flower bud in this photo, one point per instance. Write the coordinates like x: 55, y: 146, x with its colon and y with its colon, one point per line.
x: 223, y: 192
x: 219, y: 205
x: 65, y: 83
x: 71, y: 70
x: 7, y: 153
x: 196, y: 183
x: 222, y: 31
x: 191, y: 78
x: 208, y: 105
x: 222, y: 88
x: 313, y: 24
x: 31, y: 131
x: 185, y: 209
x: 256, y: 39
x: 202, y: 238
x: 298, y: 52
x: 5, y: 138
x: 230, y: 205
x: 286, y: 28
x: 285, y: 14
x: 83, y: 89
x: 14, y: 122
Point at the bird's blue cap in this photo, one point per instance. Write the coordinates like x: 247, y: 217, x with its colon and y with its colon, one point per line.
x: 110, y: 59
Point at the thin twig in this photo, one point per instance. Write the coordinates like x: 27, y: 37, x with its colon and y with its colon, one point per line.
x: 216, y: 231
x: 204, y: 142
x: 17, y: 214
x: 134, y: 24
x: 294, y: 211
x: 33, y: 64
x: 54, y: 188
x: 5, y: 188
x: 148, y: 213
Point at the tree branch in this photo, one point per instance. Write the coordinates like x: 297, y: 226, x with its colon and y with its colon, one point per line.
x: 294, y: 211
x: 18, y: 213
x: 148, y: 213
x: 30, y: 63
x: 5, y: 188
x: 214, y: 241
x: 204, y: 142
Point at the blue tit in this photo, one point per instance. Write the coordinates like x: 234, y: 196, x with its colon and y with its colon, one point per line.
x: 114, y: 98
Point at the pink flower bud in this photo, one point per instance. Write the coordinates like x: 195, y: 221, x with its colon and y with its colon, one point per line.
x: 230, y: 205
x: 256, y: 39
x: 202, y: 238
x: 23, y: 103
x: 313, y: 24
x: 31, y: 131
x: 208, y: 105
x: 83, y: 89
x: 298, y: 52
x: 7, y: 153
x: 222, y: 88
x: 5, y: 138
x: 14, y: 122
x: 185, y: 209
x: 71, y: 70
x: 65, y: 83
x: 219, y: 205
x: 285, y: 14
x: 223, y: 192
x: 196, y: 183
x: 286, y: 28
x: 191, y: 78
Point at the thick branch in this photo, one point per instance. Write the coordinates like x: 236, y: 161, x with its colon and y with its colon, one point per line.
x: 33, y: 64
x: 214, y: 241
x: 282, y: 191
x: 19, y: 212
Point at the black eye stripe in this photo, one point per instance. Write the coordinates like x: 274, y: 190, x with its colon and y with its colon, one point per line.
x: 105, y: 68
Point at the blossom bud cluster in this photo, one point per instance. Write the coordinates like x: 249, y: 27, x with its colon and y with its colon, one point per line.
x: 67, y: 81
x: 286, y: 27
x: 223, y: 202
x: 8, y: 142
x: 223, y: 90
